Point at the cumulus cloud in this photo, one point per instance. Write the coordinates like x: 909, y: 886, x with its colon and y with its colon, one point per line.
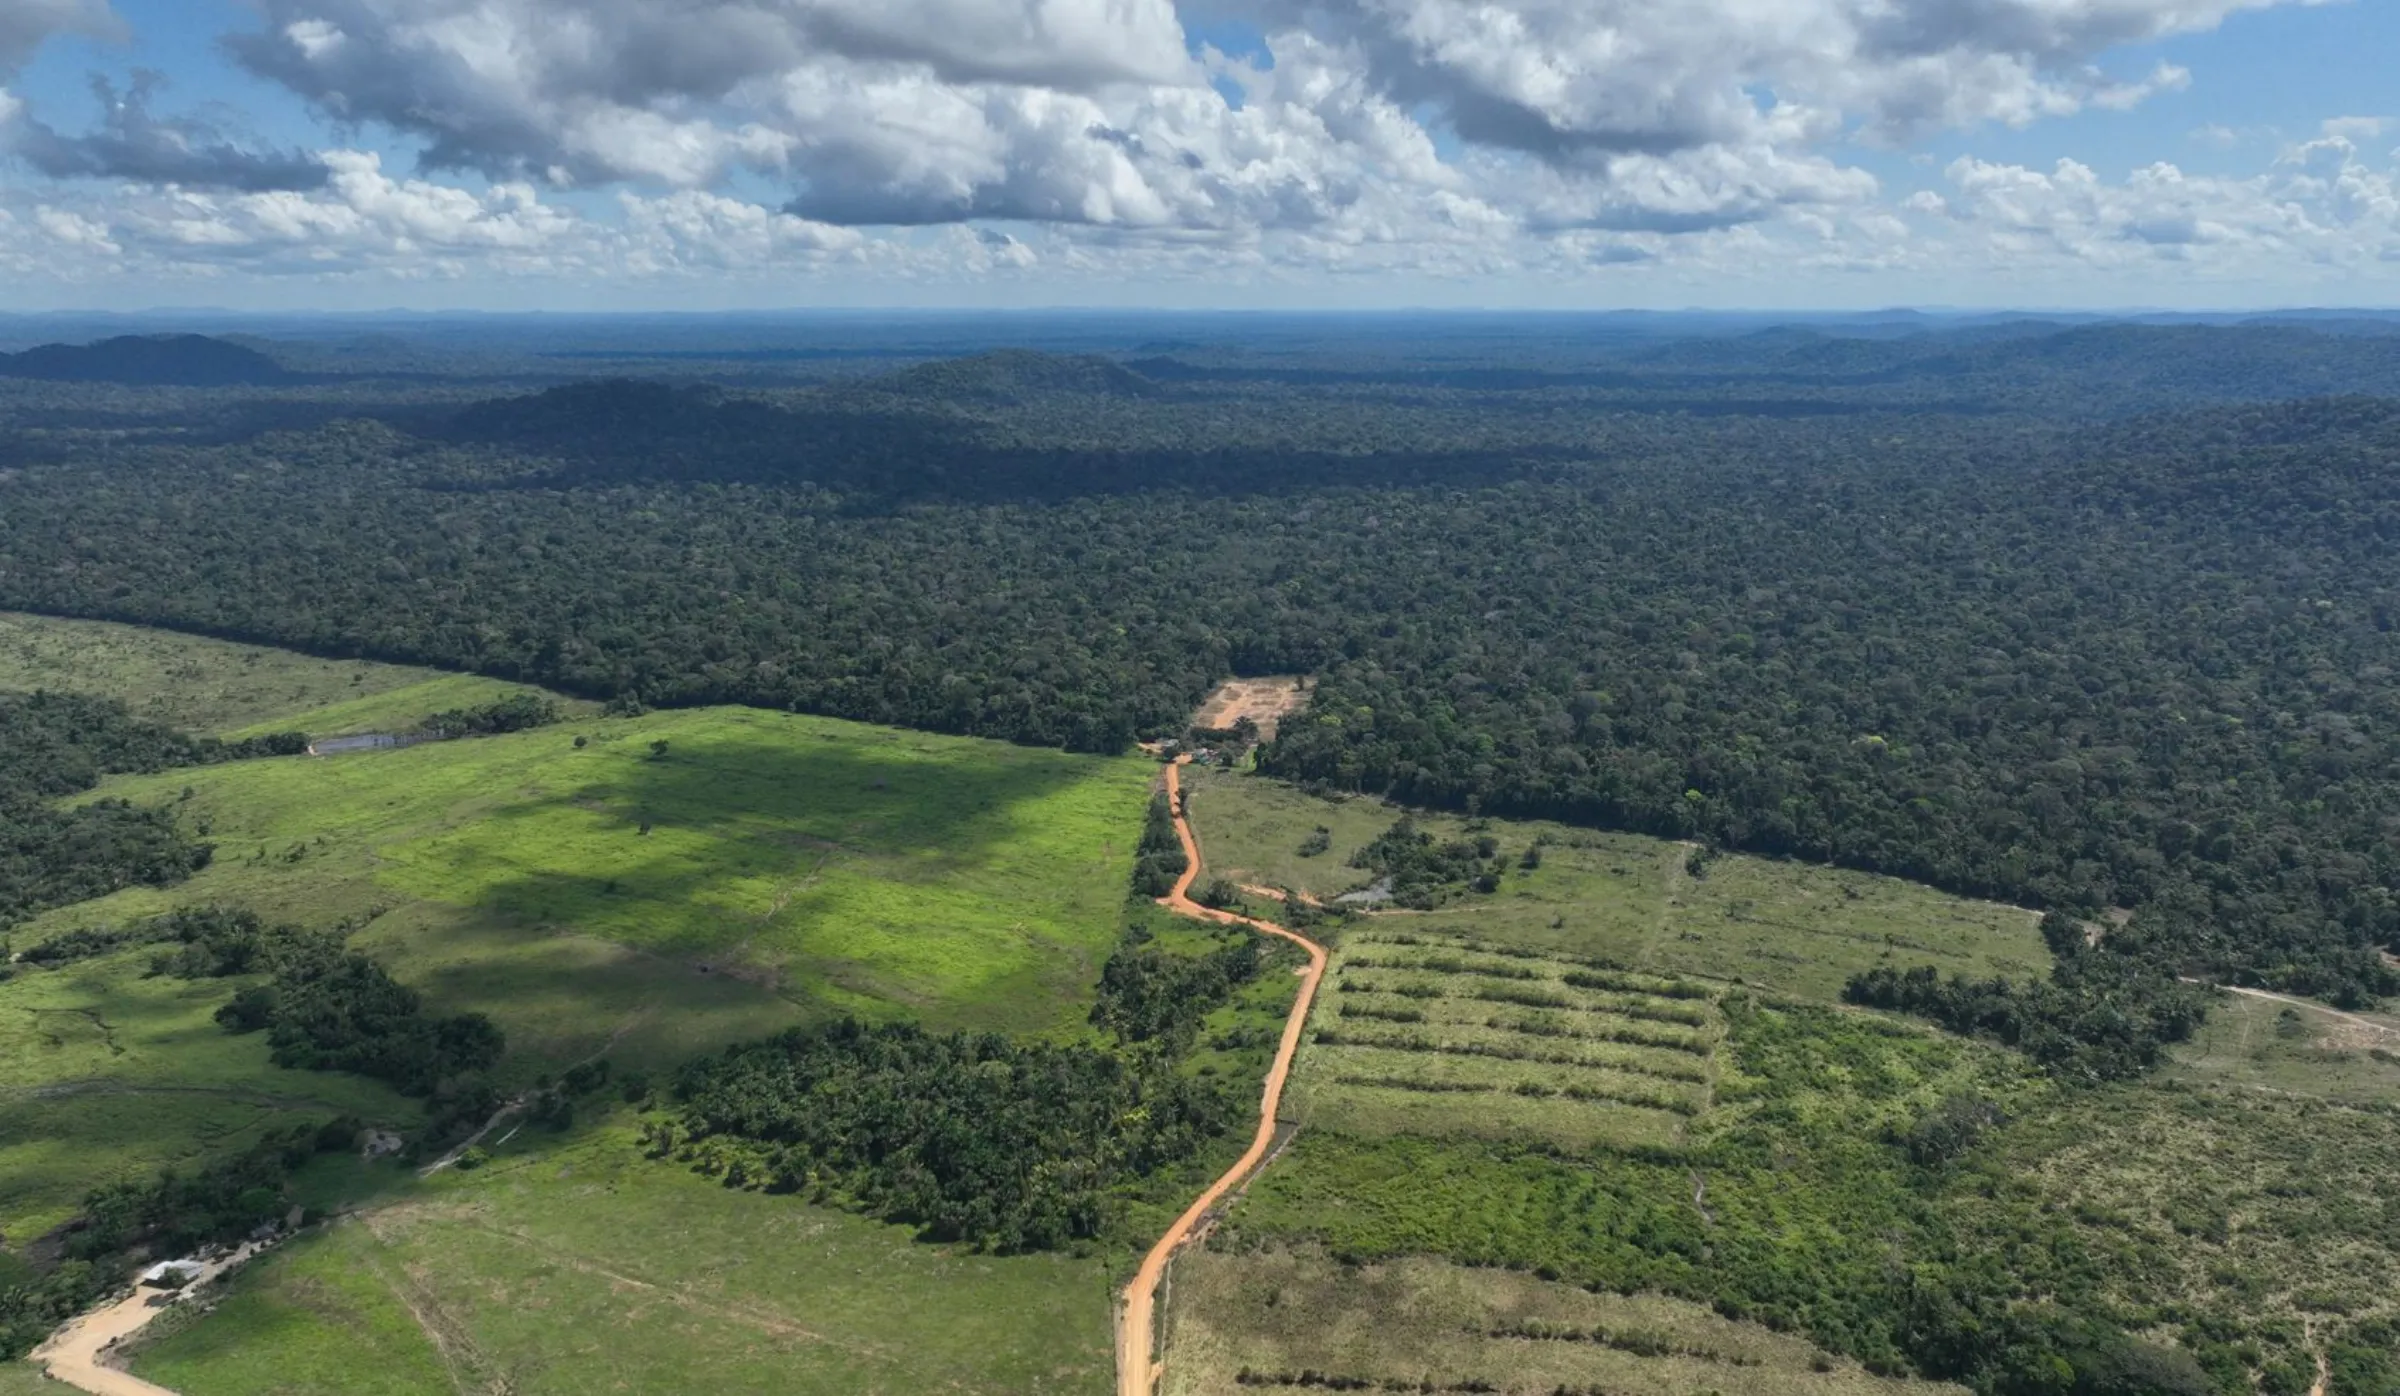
x: 595, y: 90
x: 1568, y: 80
x: 1635, y: 116
x: 133, y: 142
x: 1440, y: 138
x: 2322, y: 201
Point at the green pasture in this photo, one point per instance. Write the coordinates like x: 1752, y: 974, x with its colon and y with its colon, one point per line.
x: 792, y: 868
x: 404, y: 708
x: 109, y: 1075
x: 1793, y: 928
x: 186, y: 681
x: 760, y: 869
x: 2303, y: 1049
x: 578, y: 1266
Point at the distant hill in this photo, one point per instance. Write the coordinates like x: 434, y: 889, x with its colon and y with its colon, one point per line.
x: 177, y: 360
x: 1014, y: 375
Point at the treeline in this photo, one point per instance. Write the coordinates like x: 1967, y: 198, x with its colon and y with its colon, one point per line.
x: 516, y: 713
x: 56, y: 744
x: 1006, y: 1146
x: 1158, y: 860
x: 2101, y: 1016
x: 2142, y: 667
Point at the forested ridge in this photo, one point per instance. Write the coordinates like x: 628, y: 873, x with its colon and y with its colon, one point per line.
x: 2141, y: 663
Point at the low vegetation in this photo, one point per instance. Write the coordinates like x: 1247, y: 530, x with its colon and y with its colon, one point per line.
x: 1292, y: 1318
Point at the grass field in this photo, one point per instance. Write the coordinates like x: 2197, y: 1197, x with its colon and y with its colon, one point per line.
x: 1244, y: 1319
x: 764, y: 869
x: 579, y: 1266
x: 107, y: 1075
x: 1791, y: 927
x: 199, y: 685
x: 2293, y: 1049
x: 1438, y: 1035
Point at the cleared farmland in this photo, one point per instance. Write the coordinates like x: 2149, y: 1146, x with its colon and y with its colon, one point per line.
x: 1444, y: 1035
x: 1291, y: 1319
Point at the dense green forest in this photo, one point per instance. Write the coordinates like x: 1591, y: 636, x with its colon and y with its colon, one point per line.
x: 1005, y: 1145
x: 2073, y: 663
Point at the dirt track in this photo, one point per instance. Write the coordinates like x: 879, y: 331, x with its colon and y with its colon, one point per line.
x: 2310, y: 1004
x: 1137, y: 1370
x: 76, y: 1353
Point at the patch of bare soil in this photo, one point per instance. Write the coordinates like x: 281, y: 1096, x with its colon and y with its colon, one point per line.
x: 1264, y: 701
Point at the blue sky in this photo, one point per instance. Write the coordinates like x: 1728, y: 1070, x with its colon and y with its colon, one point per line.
x: 1347, y: 153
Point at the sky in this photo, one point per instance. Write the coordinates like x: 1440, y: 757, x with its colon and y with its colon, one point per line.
x: 1341, y: 154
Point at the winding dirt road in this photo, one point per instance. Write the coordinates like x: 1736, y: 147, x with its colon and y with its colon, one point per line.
x: 77, y: 1354
x: 1137, y: 1370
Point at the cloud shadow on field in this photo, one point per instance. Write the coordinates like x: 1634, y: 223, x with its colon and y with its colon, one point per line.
x: 827, y: 871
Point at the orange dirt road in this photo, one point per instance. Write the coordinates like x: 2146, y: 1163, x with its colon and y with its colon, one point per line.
x: 77, y: 1354
x: 1137, y: 1370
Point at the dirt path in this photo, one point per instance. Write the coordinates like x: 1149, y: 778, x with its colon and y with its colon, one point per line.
x: 1137, y: 1368
x: 77, y: 1353
x: 508, y: 1109
x: 2310, y: 1004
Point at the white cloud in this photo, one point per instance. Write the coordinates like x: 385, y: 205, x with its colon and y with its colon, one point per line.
x: 1643, y: 116
x: 1436, y: 139
x: 2321, y: 202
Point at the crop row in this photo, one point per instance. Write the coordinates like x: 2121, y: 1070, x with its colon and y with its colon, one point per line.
x: 1446, y: 964
x: 1629, y: 978
x: 1309, y: 1378
x: 1413, y: 991
x: 1589, y: 1095
x: 1639, y: 1342
x: 1690, y: 1017
x: 1629, y: 1035
x: 1629, y: 1002
x: 1329, y: 1037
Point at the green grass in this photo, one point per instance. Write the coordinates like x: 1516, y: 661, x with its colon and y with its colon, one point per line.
x: 401, y: 709
x: 107, y: 1075
x: 199, y: 685
x: 1790, y: 927
x: 1287, y: 1310
x: 2298, y: 1050
x: 581, y: 1266
x: 25, y: 1379
x: 794, y: 867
